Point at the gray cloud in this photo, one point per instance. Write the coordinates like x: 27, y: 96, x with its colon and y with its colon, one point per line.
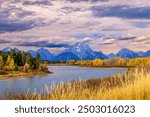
x: 3, y: 41
x: 44, y: 2
x: 126, y: 38
x: 43, y: 44
x: 15, y: 24
x: 15, y: 27
x: 122, y: 12
x: 88, y: 0
x: 105, y: 43
x: 140, y: 24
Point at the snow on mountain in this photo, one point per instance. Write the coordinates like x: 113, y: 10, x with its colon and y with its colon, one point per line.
x: 8, y: 49
x: 84, y: 52
x: 141, y: 54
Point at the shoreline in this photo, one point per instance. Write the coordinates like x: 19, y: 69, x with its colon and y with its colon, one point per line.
x: 18, y: 74
x: 105, y: 67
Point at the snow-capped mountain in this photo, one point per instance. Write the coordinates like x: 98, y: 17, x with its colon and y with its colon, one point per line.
x: 84, y: 52
x: 126, y: 53
x: 8, y: 49
x: 66, y: 56
x: 141, y: 54
x: 81, y: 51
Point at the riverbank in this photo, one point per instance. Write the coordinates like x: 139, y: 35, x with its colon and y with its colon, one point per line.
x: 133, y: 85
x: 17, y: 74
x: 104, y: 67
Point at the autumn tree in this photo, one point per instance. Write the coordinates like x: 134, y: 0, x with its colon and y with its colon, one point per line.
x: 97, y: 62
x: 1, y: 62
x: 43, y: 67
x: 72, y: 62
x: 26, y: 67
x: 8, y: 60
x: 121, y: 62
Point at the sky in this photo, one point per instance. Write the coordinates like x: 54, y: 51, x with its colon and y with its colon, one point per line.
x: 106, y: 25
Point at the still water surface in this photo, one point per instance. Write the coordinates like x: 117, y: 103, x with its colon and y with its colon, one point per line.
x: 61, y: 74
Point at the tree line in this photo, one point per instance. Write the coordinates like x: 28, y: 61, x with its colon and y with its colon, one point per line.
x: 114, y: 62
x: 17, y: 60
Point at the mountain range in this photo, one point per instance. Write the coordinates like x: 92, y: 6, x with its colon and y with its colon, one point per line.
x: 82, y: 51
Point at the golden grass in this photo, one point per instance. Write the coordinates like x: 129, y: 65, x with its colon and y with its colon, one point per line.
x: 134, y: 85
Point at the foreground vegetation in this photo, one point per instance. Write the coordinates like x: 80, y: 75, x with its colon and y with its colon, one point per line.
x: 16, y: 63
x: 133, y: 85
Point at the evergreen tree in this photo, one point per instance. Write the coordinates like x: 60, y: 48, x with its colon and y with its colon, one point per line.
x: 23, y: 58
x: 19, y: 58
x: 38, y: 60
x: 29, y: 59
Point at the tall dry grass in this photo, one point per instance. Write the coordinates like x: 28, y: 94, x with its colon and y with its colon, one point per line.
x: 134, y: 85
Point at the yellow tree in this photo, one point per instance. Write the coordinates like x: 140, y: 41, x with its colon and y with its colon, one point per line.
x: 1, y: 62
x: 8, y: 60
x: 121, y: 62
x: 71, y: 62
x: 26, y: 67
x: 97, y: 62
x: 85, y: 63
x: 11, y: 65
x: 78, y: 63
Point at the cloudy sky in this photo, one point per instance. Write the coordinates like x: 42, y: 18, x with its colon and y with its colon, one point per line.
x: 106, y: 25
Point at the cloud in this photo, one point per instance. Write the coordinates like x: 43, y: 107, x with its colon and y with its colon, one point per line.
x: 82, y: 36
x: 70, y: 9
x: 87, y: 0
x: 44, y: 2
x: 43, y: 44
x: 126, y: 38
x: 3, y: 41
x: 15, y: 27
x: 141, y: 24
x: 57, y: 24
x: 126, y: 12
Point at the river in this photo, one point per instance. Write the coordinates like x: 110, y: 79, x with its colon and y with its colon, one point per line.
x: 61, y: 74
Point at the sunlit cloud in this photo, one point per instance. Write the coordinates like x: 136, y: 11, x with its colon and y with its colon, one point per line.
x: 106, y: 25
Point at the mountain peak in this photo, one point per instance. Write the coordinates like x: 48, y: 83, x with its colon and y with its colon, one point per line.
x: 8, y: 49
x: 84, y: 52
x: 126, y: 53
x: 111, y: 55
